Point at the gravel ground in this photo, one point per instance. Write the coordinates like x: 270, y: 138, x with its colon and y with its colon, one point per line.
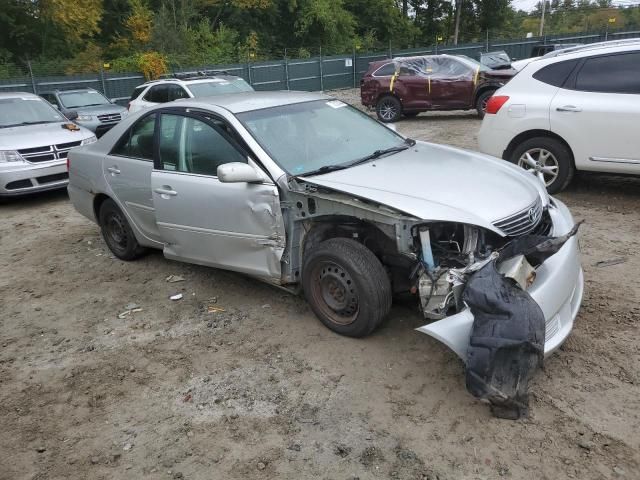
x: 238, y: 380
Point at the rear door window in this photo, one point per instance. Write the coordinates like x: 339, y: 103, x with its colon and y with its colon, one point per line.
x: 557, y: 73
x: 175, y: 92
x: 619, y: 73
x: 157, y: 94
x: 138, y: 141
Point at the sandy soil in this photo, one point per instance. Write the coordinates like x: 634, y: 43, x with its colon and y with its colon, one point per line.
x: 262, y: 390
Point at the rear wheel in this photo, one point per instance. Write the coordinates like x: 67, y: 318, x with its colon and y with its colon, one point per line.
x: 346, y: 286
x: 547, y: 158
x: 481, y: 102
x: 117, y: 232
x: 389, y: 109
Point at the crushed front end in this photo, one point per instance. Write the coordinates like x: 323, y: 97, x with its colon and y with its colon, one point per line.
x: 450, y: 253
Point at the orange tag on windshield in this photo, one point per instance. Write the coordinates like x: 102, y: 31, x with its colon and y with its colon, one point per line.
x: 71, y: 126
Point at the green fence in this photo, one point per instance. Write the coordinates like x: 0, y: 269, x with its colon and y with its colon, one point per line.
x: 310, y: 74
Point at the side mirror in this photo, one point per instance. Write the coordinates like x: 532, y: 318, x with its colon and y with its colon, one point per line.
x: 72, y: 115
x: 236, y: 172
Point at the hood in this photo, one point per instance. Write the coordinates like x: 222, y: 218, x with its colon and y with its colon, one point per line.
x: 98, y: 109
x: 30, y: 136
x: 520, y: 64
x: 436, y: 182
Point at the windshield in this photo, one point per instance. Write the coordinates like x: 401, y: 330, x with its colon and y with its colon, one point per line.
x: 26, y: 111
x: 219, y: 87
x: 305, y: 137
x: 474, y: 64
x: 82, y: 99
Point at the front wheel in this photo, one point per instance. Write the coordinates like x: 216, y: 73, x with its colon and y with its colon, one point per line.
x: 481, y: 102
x: 547, y: 158
x: 346, y: 286
x: 389, y: 109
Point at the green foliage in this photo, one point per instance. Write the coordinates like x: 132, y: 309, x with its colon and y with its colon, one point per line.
x: 78, y: 35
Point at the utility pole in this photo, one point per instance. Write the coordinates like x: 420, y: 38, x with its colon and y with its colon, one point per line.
x: 457, y: 27
x: 544, y: 7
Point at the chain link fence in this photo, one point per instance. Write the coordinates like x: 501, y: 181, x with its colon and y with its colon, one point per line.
x: 297, y: 69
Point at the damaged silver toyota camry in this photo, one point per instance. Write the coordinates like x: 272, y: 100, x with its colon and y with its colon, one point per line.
x: 312, y: 195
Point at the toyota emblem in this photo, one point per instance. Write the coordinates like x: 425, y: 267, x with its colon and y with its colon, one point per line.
x: 532, y: 215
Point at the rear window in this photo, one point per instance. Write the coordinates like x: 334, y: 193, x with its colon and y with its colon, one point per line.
x: 611, y: 74
x: 136, y: 92
x: 555, y: 74
x: 386, y: 70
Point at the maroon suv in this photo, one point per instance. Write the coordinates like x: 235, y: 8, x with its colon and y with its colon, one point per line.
x: 410, y: 85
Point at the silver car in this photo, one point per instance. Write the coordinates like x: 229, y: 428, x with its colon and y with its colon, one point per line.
x: 87, y: 107
x: 34, y: 142
x: 308, y: 193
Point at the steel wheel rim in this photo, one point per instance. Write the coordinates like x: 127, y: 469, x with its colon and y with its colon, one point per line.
x: 116, y: 231
x: 388, y: 110
x: 542, y: 163
x: 334, y: 293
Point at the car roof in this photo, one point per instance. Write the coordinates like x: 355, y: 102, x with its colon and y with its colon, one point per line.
x: 191, y: 80
x: 611, y: 44
x: 18, y: 95
x: 70, y: 90
x: 248, y: 101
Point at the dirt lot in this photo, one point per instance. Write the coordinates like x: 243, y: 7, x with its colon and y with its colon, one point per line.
x: 262, y: 390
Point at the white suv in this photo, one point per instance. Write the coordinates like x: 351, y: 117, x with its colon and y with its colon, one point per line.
x: 579, y: 110
x: 188, y: 85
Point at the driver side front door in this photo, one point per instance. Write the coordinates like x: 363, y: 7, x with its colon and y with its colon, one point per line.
x: 236, y: 226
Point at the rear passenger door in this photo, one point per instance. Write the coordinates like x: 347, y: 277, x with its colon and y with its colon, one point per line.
x: 597, y: 112
x: 127, y: 169
x: 237, y: 226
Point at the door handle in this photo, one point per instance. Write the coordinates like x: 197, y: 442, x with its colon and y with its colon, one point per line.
x: 568, y: 108
x: 166, y: 190
x: 114, y: 170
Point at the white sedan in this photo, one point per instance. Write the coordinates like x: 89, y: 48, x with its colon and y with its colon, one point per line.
x: 578, y: 110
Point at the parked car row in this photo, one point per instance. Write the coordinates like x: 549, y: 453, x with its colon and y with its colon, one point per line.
x: 37, y: 132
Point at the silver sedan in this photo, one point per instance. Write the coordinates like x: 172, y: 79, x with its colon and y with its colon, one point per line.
x: 308, y: 193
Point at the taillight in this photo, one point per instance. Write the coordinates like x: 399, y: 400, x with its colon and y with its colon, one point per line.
x: 129, y: 106
x: 495, y: 103
x: 68, y: 163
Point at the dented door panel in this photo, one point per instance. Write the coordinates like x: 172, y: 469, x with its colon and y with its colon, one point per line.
x: 236, y: 226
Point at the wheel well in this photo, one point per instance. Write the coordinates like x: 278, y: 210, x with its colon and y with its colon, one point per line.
x: 97, y: 203
x: 388, y: 94
x: 481, y: 90
x: 524, y: 136
x: 364, y: 232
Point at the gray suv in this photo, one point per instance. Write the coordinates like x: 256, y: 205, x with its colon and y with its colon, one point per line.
x: 94, y: 111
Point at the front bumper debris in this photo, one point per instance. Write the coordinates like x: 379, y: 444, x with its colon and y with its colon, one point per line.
x: 557, y: 289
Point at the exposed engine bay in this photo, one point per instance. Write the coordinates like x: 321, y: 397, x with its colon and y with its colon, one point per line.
x: 449, y: 254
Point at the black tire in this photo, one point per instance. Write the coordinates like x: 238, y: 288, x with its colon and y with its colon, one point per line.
x: 389, y: 109
x: 560, y: 155
x: 346, y: 286
x: 481, y: 102
x: 117, y: 232
x: 411, y: 114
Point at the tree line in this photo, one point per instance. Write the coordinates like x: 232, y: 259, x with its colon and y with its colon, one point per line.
x: 129, y: 35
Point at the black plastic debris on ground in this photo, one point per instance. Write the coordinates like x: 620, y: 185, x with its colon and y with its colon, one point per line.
x: 507, y: 338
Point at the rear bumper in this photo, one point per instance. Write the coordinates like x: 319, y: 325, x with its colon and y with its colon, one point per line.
x: 558, y: 289
x: 491, y: 140
x: 24, y: 178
